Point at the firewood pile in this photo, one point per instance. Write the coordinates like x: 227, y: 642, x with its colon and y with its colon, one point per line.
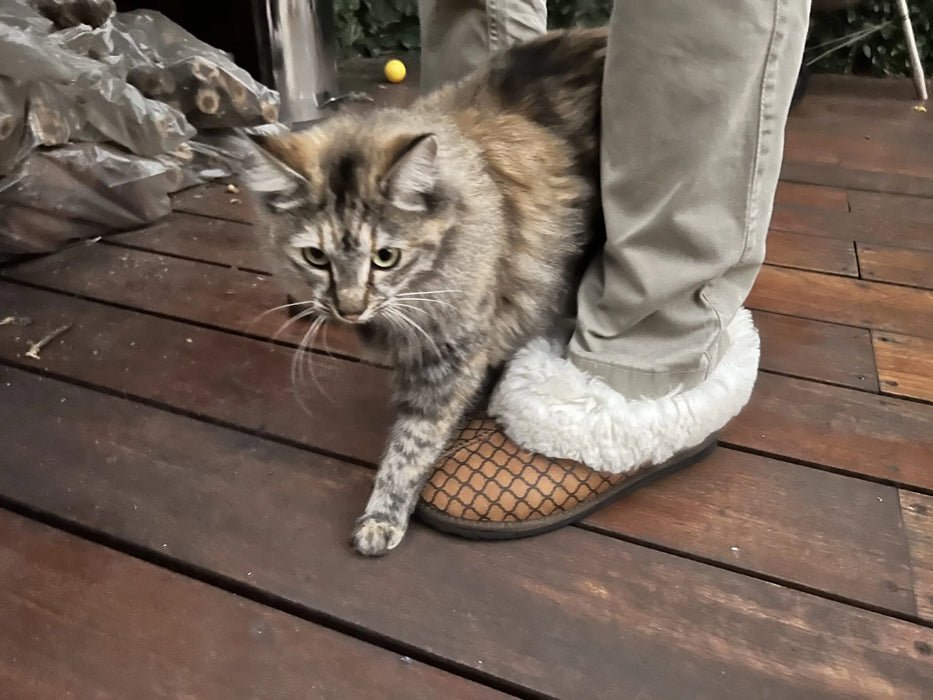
x: 104, y: 114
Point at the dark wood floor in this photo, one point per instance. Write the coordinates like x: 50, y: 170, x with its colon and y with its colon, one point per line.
x: 173, y: 524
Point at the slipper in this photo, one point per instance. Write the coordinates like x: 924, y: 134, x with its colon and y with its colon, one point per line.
x: 488, y: 487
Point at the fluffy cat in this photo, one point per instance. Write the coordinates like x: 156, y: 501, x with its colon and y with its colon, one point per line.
x: 450, y: 232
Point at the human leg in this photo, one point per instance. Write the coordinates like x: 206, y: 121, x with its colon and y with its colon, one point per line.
x: 694, y: 105
x: 458, y: 35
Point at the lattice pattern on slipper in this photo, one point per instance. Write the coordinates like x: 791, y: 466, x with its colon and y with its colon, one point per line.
x: 484, y: 476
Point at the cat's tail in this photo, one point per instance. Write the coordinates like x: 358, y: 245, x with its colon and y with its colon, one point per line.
x: 556, y: 81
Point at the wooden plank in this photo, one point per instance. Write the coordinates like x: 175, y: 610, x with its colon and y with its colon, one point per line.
x: 863, y: 228
x: 808, y: 149
x: 891, y: 206
x: 833, y: 175
x: 885, y: 307
x: 602, y: 618
x: 814, y: 253
x: 826, y: 85
x: 896, y: 265
x: 230, y: 378
x: 905, y: 365
x: 815, y: 350
x: 214, y: 296
x: 918, y: 519
x: 183, y: 366
x: 800, y: 195
x: 80, y: 620
x: 205, y: 394
x: 213, y: 240
x: 847, y: 430
x: 236, y: 300
x: 215, y: 201
x: 874, y: 134
x: 768, y: 516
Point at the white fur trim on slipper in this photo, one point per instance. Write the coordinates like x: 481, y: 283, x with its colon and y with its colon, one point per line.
x: 547, y: 405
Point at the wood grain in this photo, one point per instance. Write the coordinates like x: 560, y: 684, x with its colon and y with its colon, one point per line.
x: 215, y: 201
x: 232, y: 379
x: 896, y: 265
x: 572, y: 614
x: 811, y: 253
x: 815, y: 350
x: 768, y: 516
x: 851, y: 431
x: 236, y: 300
x: 799, y: 195
x: 834, y: 175
x: 198, y: 387
x: 905, y: 365
x: 862, y: 228
x: 891, y: 206
x: 918, y: 520
x: 80, y: 620
x: 211, y: 295
x: 885, y: 307
x: 247, y: 383
x: 214, y: 240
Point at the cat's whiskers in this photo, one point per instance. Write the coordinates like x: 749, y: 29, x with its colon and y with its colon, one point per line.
x: 409, y: 306
x: 430, y: 301
x: 311, y: 359
x: 302, y: 356
x: 407, y: 319
x: 297, y: 317
x: 430, y: 291
x: 396, y: 320
x: 265, y: 313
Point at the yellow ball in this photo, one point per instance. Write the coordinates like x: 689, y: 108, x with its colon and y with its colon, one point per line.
x: 395, y: 71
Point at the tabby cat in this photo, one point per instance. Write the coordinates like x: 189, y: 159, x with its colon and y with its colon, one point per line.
x: 449, y: 232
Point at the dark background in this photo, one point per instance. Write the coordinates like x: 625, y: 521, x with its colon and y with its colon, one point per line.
x: 227, y: 25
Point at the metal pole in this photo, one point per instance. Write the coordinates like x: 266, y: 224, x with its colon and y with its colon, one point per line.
x: 297, y: 55
x: 916, y: 67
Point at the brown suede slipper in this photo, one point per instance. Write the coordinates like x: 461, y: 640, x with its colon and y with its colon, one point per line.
x: 488, y: 487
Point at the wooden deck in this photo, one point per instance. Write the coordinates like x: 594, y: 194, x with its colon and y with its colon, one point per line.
x: 172, y: 524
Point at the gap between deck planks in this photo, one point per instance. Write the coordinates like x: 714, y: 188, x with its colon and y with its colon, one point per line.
x: 748, y: 464
x: 239, y: 301
x: 124, y: 352
x: 79, y: 618
x: 187, y: 353
x: 884, y: 307
x: 918, y: 519
x: 603, y: 618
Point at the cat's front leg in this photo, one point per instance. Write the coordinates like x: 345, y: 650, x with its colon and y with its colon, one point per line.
x: 428, y: 413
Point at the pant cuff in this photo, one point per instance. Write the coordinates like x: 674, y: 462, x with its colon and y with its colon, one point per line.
x: 548, y: 405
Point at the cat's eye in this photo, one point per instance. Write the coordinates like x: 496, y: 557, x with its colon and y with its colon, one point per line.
x: 315, y: 257
x: 386, y: 257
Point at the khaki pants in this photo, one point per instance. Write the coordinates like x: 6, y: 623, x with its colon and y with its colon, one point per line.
x: 695, y: 100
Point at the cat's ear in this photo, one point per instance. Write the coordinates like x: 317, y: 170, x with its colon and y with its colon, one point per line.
x: 412, y: 179
x: 268, y: 173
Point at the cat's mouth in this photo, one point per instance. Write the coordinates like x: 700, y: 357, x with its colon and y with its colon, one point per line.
x: 353, y: 318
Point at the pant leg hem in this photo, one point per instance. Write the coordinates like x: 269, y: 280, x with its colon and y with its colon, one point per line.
x: 548, y: 405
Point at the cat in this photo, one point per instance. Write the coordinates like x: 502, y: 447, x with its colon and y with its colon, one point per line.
x: 450, y: 233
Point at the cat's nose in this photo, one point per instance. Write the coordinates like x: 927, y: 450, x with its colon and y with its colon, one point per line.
x: 351, y: 304
x: 350, y: 313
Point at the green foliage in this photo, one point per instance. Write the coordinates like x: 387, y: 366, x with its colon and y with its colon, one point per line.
x: 568, y: 13
x: 881, y: 52
x: 376, y: 27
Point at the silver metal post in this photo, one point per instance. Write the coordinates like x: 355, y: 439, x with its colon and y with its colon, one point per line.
x: 297, y: 45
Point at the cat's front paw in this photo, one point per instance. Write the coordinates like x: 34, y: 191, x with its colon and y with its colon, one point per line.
x: 374, y: 536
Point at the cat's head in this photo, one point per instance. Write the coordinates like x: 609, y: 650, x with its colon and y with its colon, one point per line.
x: 355, y: 220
